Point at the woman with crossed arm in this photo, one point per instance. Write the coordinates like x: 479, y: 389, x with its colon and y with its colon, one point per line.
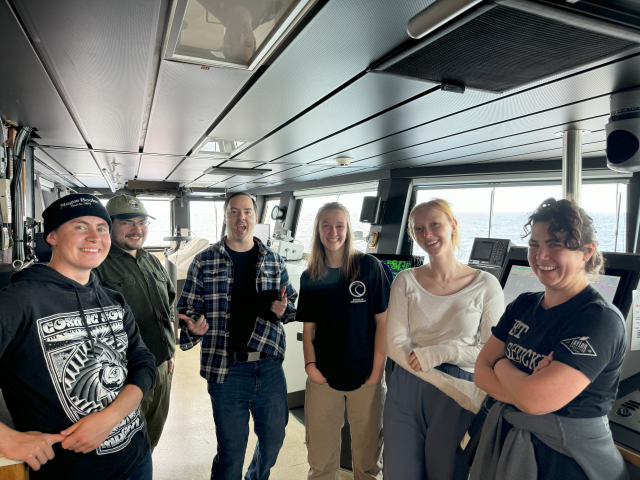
x: 553, y: 363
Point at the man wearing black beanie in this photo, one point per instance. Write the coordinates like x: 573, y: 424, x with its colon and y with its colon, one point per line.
x: 73, y: 368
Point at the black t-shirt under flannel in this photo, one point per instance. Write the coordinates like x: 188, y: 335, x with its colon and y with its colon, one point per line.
x: 243, y: 299
x: 344, y: 313
x: 586, y: 333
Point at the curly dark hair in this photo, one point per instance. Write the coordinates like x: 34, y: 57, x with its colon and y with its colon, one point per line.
x: 570, y: 225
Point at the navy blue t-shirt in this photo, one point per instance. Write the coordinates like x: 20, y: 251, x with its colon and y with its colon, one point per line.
x: 586, y: 333
x: 344, y: 313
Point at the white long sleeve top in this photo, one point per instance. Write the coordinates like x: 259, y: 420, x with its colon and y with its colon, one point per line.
x: 443, y: 329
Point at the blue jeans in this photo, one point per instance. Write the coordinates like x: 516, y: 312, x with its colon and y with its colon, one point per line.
x: 144, y: 470
x: 260, y: 388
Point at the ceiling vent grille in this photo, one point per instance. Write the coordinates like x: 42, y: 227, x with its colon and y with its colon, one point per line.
x: 502, y: 46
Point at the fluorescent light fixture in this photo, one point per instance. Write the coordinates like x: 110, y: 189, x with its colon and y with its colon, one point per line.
x: 245, y: 172
x: 436, y: 15
x: 207, y: 192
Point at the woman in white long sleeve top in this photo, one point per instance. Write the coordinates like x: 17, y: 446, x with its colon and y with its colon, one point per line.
x: 439, y: 317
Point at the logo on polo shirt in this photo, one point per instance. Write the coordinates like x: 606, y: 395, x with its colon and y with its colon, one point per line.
x: 579, y: 346
x: 134, y: 205
x: 357, y: 289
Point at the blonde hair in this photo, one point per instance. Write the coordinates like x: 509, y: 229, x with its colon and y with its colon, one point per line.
x: 442, y: 205
x: 317, y: 266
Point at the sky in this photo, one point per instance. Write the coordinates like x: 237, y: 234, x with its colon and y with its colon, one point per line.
x: 595, y: 198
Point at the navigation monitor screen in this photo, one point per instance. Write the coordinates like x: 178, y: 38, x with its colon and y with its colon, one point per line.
x: 398, y: 263
x: 482, y: 251
x: 397, y: 266
x: 522, y: 279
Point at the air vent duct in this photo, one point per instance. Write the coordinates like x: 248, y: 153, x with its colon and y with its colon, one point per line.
x: 509, y: 43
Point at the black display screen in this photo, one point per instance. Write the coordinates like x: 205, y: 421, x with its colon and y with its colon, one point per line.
x: 482, y: 251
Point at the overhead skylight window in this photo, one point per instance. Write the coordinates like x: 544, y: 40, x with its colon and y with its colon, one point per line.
x: 230, y: 33
x: 217, y: 147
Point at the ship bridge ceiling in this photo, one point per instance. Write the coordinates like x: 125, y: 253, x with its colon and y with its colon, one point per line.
x: 92, y: 77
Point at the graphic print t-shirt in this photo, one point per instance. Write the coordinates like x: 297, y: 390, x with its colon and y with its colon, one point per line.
x: 344, y: 314
x: 586, y: 333
x: 52, y: 373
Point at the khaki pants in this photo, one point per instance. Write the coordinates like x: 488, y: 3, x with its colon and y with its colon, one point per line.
x: 324, y: 418
x: 155, y: 404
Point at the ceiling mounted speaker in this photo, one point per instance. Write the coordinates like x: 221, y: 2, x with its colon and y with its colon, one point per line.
x: 623, y: 132
x: 505, y: 44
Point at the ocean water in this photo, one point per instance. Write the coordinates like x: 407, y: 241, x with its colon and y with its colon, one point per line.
x: 510, y: 226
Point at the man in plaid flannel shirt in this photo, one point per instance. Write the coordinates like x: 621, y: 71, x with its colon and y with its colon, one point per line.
x: 243, y: 340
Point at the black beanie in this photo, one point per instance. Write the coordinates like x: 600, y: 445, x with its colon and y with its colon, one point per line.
x: 70, y: 207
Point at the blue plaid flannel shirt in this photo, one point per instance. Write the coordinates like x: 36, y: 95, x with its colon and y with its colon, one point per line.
x: 207, y: 291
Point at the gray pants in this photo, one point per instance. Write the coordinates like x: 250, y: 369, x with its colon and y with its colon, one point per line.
x: 422, y: 429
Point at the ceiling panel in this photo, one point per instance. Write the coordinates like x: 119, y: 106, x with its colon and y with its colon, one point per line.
x: 192, y: 168
x: 515, y: 108
x: 344, y: 38
x: 27, y: 96
x: 188, y: 99
x: 330, y: 172
x: 101, y: 53
x: 73, y: 160
x: 520, y: 155
x: 474, y: 142
x: 153, y: 167
x: 44, y: 166
x: 367, y: 96
x: 442, y: 114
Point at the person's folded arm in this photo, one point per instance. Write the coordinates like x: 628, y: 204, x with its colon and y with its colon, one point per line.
x: 546, y: 391
x: 464, y: 355
x: 191, y: 303
x: 484, y: 377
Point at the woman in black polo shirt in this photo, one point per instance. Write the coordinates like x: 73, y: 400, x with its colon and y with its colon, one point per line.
x: 553, y: 362
x: 343, y: 302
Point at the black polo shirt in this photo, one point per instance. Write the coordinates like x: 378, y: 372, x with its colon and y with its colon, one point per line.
x: 148, y: 290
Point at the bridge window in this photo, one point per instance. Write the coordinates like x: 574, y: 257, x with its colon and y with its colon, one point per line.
x: 311, y: 205
x: 206, y: 218
x: 512, y: 205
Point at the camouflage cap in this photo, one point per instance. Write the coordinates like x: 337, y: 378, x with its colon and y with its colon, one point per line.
x: 125, y: 207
